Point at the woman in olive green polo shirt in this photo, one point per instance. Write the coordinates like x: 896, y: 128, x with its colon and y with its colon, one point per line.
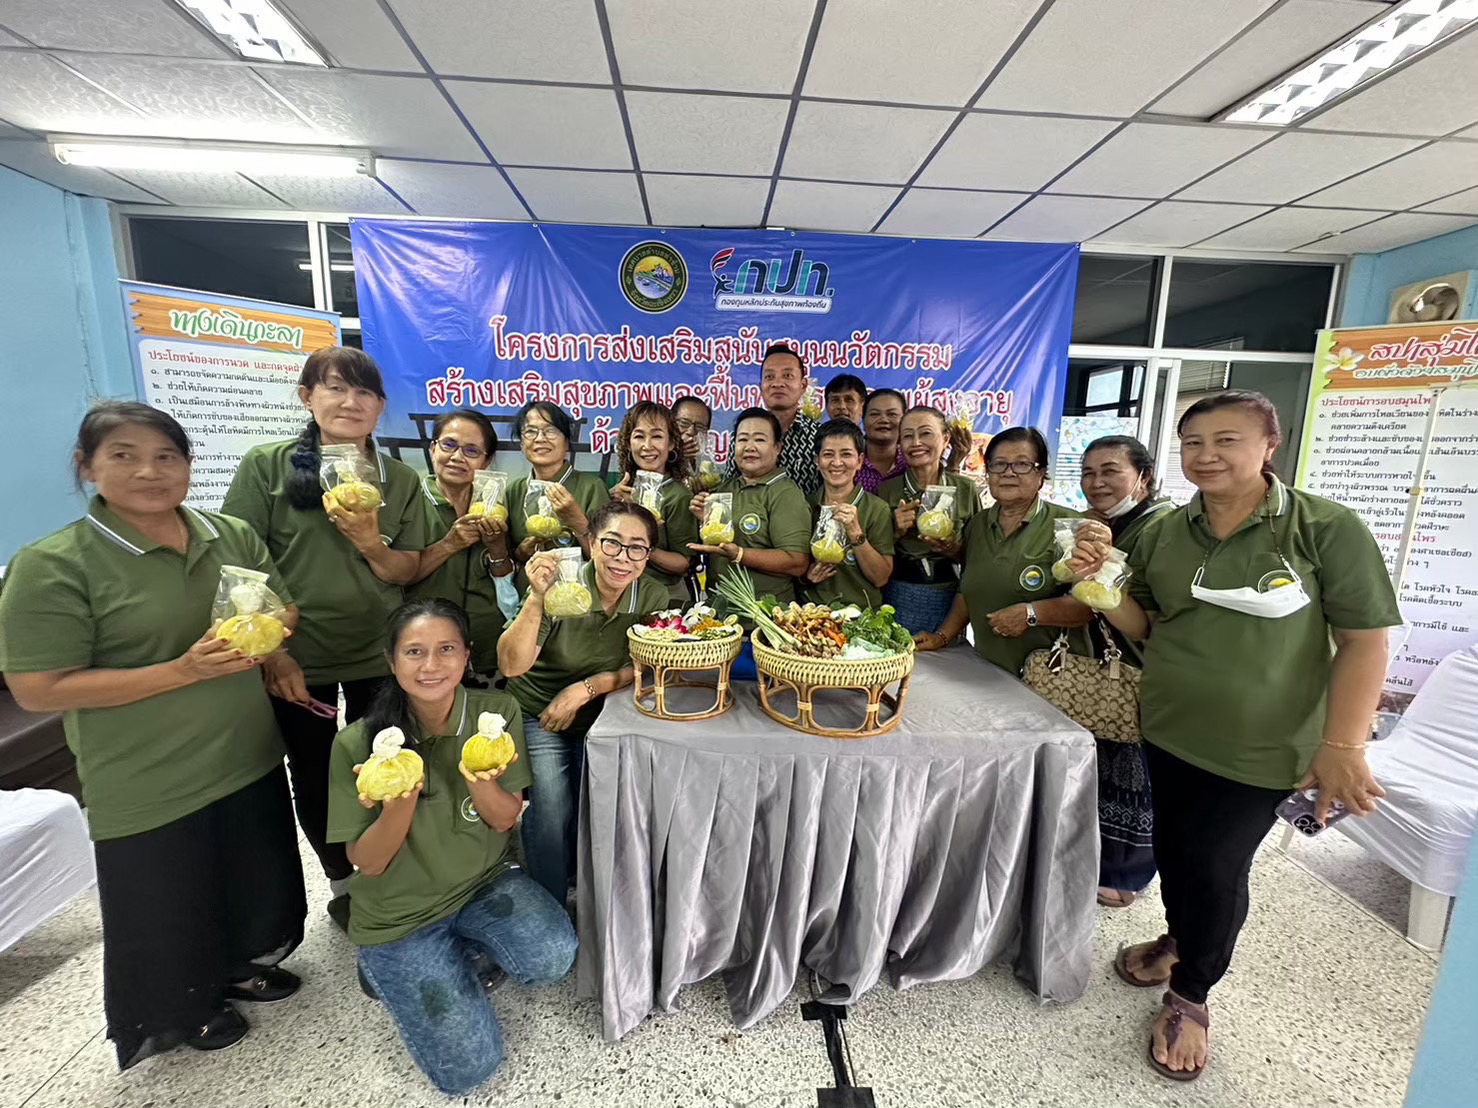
x: 772, y: 521
x: 925, y: 576
x: 649, y: 442
x: 346, y: 569
x: 1239, y: 594
x: 1007, y: 592
x: 108, y: 620
x: 437, y: 873
x: 469, y: 565
x: 561, y: 671
x: 547, y: 437
x: 865, y: 521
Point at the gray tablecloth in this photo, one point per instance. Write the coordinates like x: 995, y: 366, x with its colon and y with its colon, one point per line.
x: 737, y: 846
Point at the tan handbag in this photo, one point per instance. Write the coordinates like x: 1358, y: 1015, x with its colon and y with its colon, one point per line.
x: 1099, y: 694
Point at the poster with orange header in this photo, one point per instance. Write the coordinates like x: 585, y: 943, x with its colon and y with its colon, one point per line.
x: 226, y: 368
x: 1382, y: 399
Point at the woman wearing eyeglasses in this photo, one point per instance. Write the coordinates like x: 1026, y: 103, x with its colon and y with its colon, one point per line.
x: 1007, y: 592
x: 464, y: 565
x: 547, y: 436
x: 561, y: 671
x: 925, y: 576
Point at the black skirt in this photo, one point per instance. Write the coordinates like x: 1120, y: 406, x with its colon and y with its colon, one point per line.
x: 189, y: 907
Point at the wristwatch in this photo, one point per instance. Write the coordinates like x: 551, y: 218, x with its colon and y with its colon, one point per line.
x: 1031, y: 615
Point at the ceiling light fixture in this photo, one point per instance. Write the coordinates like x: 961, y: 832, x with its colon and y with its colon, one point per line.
x: 181, y: 156
x: 1407, y: 30
x: 255, y: 29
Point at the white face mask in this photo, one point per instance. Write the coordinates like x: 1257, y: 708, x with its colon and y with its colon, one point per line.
x: 1122, y: 507
x: 1273, y: 604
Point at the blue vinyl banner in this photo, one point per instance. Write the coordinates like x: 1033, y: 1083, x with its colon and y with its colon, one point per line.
x: 491, y: 315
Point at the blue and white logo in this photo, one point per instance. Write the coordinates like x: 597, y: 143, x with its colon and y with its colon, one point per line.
x: 771, y: 284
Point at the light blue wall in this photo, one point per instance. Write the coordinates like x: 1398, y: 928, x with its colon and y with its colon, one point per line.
x: 1373, y: 276
x: 63, y: 342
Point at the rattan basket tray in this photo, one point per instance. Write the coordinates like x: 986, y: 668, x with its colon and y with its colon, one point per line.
x: 671, y: 664
x: 781, y: 672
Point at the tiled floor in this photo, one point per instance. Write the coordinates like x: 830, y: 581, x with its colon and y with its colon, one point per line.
x: 1323, y: 1007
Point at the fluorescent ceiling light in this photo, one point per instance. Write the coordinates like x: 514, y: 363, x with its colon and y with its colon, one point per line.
x: 255, y: 29
x: 177, y: 155
x: 1405, y: 31
x: 337, y: 267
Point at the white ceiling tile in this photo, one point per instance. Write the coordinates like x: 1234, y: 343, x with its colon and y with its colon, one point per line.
x: 572, y: 196
x: 39, y: 93
x: 1279, y: 43
x: 552, y: 40
x: 35, y: 160
x: 1468, y: 133
x: 398, y: 117
x: 1063, y: 218
x: 1293, y: 164
x: 920, y: 52
x: 354, y: 33
x: 1285, y: 228
x: 755, y: 46
x: 1462, y: 203
x: 1095, y: 58
x: 118, y: 26
x: 351, y: 195
x: 944, y: 213
x: 11, y: 40
x: 1149, y: 159
x: 197, y: 100
x: 1390, y: 232
x: 7, y: 131
x: 814, y: 206
x: 1412, y: 179
x: 541, y: 125
x: 460, y: 191
x: 1011, y: 151
x: 1176, y: 223
x: 856, y: 142
x: 204, y: 190
x: 1433, y: 95
x: 682, y: 201
x: 706, y: 134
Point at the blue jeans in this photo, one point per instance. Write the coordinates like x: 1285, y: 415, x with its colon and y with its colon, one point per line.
x: 427, y: 982
x: 552, y: 823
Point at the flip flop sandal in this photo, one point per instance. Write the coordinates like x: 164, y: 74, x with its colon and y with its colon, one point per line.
x: 1118, y: 899
x: 1180, y: 1011
x: 1162, y: 946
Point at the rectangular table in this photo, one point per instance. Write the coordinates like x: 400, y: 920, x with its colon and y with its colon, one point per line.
x: 737, y: 846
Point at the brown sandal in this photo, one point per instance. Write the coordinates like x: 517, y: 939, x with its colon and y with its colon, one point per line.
x: 1152, y: 952
x: 1115, y: 898
x: 1180, y: 1011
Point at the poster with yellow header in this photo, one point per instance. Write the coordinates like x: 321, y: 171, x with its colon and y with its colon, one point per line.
x: 1381, y: 397
x: 226, y: 368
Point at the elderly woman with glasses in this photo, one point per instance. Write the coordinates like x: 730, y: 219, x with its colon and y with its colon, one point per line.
x: 547, y: 437
x: 467, y: 562
x: 1007, y: 592
x: 561, y: 671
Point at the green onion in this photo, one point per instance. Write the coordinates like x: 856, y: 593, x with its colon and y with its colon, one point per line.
x: 737, y: 588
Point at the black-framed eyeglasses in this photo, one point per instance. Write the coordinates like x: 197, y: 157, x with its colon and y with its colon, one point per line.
x: 470, y: 452
x: 1020, y: 468
x: 534, y: 434
x: 611, y: 547
x: 687, y: 426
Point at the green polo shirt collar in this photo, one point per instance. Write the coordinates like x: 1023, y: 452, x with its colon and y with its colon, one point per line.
x: 818, y: 497
x: 763, y: 482
x: 625, y: 605
x: 993, y: 515
x: 1275, y: 504
x: 456, y: 721
x: 433, y: 491
x: 112, y: 527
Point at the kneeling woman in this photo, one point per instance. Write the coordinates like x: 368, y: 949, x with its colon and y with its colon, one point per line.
x: 561, y: 670
x: 436, y: 869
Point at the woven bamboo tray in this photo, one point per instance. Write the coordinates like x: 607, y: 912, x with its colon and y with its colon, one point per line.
x: 805, y: 677
x: 672, y: 665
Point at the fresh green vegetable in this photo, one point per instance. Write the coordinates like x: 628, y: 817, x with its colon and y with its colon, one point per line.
x: 737, y: 588
x: 878, y: 626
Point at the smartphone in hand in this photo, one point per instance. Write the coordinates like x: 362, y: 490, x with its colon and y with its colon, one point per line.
x: 1298, y: 809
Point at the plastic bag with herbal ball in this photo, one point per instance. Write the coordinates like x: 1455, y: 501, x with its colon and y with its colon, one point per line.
x: 246, y: 613
x: 1104, y: 590
x: 718, y: 519
x: 828, y: 540
x: 1065, y: 534
x: 539, y: 517
x: 936, y: 518
x: 709, y: 476
x: 488, y: 489
x: 569, y: 596
x: 646, y: 490
x: 347, y: 477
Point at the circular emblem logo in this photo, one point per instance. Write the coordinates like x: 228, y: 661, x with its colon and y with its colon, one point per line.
x: 469, y: 813
x: 851, y: 558
x: 654, y: 277
x: 1277, y: 579
x: 1032, y: 578
x: 749, y: 524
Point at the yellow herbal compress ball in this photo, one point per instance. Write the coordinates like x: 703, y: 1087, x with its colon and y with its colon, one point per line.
x: 709, y: 477
x: 478, y: 510
x: 545, y: 527
x: 829, y: 551
x: 566, y: 598
x: 935, y: 524
x: 1062, y: 573
x: 492, y: 746
x: 651, y: 503
x: 715, y: 534
x: 498, y: 513
x: 390, y: 770
x: 356, y: 496
x: 1097, y: 595
x: 255, y: 635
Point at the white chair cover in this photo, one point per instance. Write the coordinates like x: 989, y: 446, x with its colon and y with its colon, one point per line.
x: 45, y: 859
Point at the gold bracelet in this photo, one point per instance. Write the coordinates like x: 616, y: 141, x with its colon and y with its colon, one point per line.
x: 1346, y: 746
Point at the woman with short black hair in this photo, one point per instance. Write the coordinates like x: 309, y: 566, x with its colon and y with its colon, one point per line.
x: 547, y: 437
